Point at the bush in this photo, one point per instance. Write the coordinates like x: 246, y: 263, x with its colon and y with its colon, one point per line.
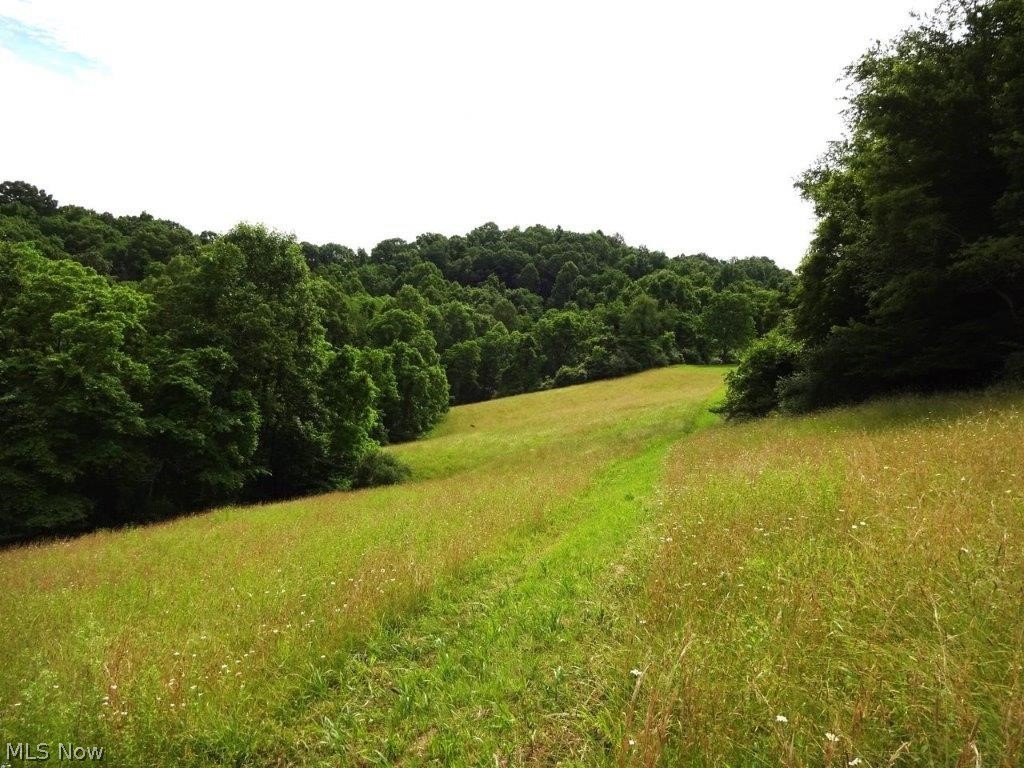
x: 568, y: 375
x: 753, y: 387
x: 378, y: 467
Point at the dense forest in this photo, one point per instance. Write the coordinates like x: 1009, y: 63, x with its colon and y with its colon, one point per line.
x: 146, y: 370
x: 915, y: 276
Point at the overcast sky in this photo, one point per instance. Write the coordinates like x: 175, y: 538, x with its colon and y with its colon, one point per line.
x: 680, y: 125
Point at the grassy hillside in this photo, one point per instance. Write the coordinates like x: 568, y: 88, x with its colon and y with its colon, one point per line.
x: 841, y: 589
x: 219, y: 638
x: 595, y: 575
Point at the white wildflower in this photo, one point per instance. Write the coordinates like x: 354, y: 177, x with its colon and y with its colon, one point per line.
x: 781, y: 719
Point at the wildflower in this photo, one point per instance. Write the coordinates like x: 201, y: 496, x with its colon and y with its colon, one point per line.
x: 781, y: 719
x: 635, y: 672
x: 855, y: 761
x: 632, y: 742
x: 831, y: 737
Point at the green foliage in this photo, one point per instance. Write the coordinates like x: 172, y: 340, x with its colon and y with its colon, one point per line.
x: 566, y: 282
x: 915, y: 277
x: 21, y: 193
x: 462, y: 365
x: 254, y: 367
x: 376, y: 467
x: 421, y: 393
x: 728, y: 321
x: 71, y: 394
x: 753, y: 386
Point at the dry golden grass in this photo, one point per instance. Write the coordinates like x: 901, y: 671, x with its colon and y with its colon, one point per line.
x: 842, y: 589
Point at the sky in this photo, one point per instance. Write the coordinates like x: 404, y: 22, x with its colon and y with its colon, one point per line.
x: 679, y: 125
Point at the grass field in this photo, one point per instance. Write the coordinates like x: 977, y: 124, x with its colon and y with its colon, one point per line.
x: 598, y: 575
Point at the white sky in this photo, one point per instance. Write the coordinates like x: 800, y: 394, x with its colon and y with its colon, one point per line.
x: 680, y: 125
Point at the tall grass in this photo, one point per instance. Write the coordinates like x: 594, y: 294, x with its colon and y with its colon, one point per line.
x: 598, y: 575
x: 842, y: 589
x: 204, y: 641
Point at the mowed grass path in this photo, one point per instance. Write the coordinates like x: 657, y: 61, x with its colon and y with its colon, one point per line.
x: 459, y: 618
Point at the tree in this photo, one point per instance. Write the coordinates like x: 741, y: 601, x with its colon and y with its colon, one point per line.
x: 669, y: 289
x: 647, y: 337
x: 529, y: 278
x: 914, y: 277
x: 521, y: 372
x: 251, y: 295
x: 423, y: 394
x: 203, y: 429
x: 462, y: 364
x: 729, y: 321
x: 33, y: 198
x: 71, y: 386
x: 565, y: 285
x: 252, y: 367
x: 561, y: 336
x: 456, y: 324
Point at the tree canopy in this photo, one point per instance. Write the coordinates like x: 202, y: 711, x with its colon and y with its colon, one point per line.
x: 147, y: 370
x: 915, y: 276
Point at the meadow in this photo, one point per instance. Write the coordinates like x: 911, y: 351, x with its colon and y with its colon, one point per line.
x: 597, y: 575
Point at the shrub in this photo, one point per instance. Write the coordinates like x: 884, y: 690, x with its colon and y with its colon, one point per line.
x: 753, y: 387
x: 378, y: 467
x: 570, y: 374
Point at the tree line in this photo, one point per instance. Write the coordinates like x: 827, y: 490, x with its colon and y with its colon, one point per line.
x: 915, y: 277
x: 146, y: 370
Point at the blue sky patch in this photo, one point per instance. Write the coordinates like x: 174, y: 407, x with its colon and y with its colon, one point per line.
x: 38, y: 46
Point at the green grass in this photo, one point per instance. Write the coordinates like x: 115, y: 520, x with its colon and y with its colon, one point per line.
x: 843, y: 588
x: 210, y: 639
x: 599, y: 575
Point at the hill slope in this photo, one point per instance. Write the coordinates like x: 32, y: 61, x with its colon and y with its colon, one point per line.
x: 211, y: 639
x: 579, y: 576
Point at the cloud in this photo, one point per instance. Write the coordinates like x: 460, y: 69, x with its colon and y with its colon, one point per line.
x: 38, y: 46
